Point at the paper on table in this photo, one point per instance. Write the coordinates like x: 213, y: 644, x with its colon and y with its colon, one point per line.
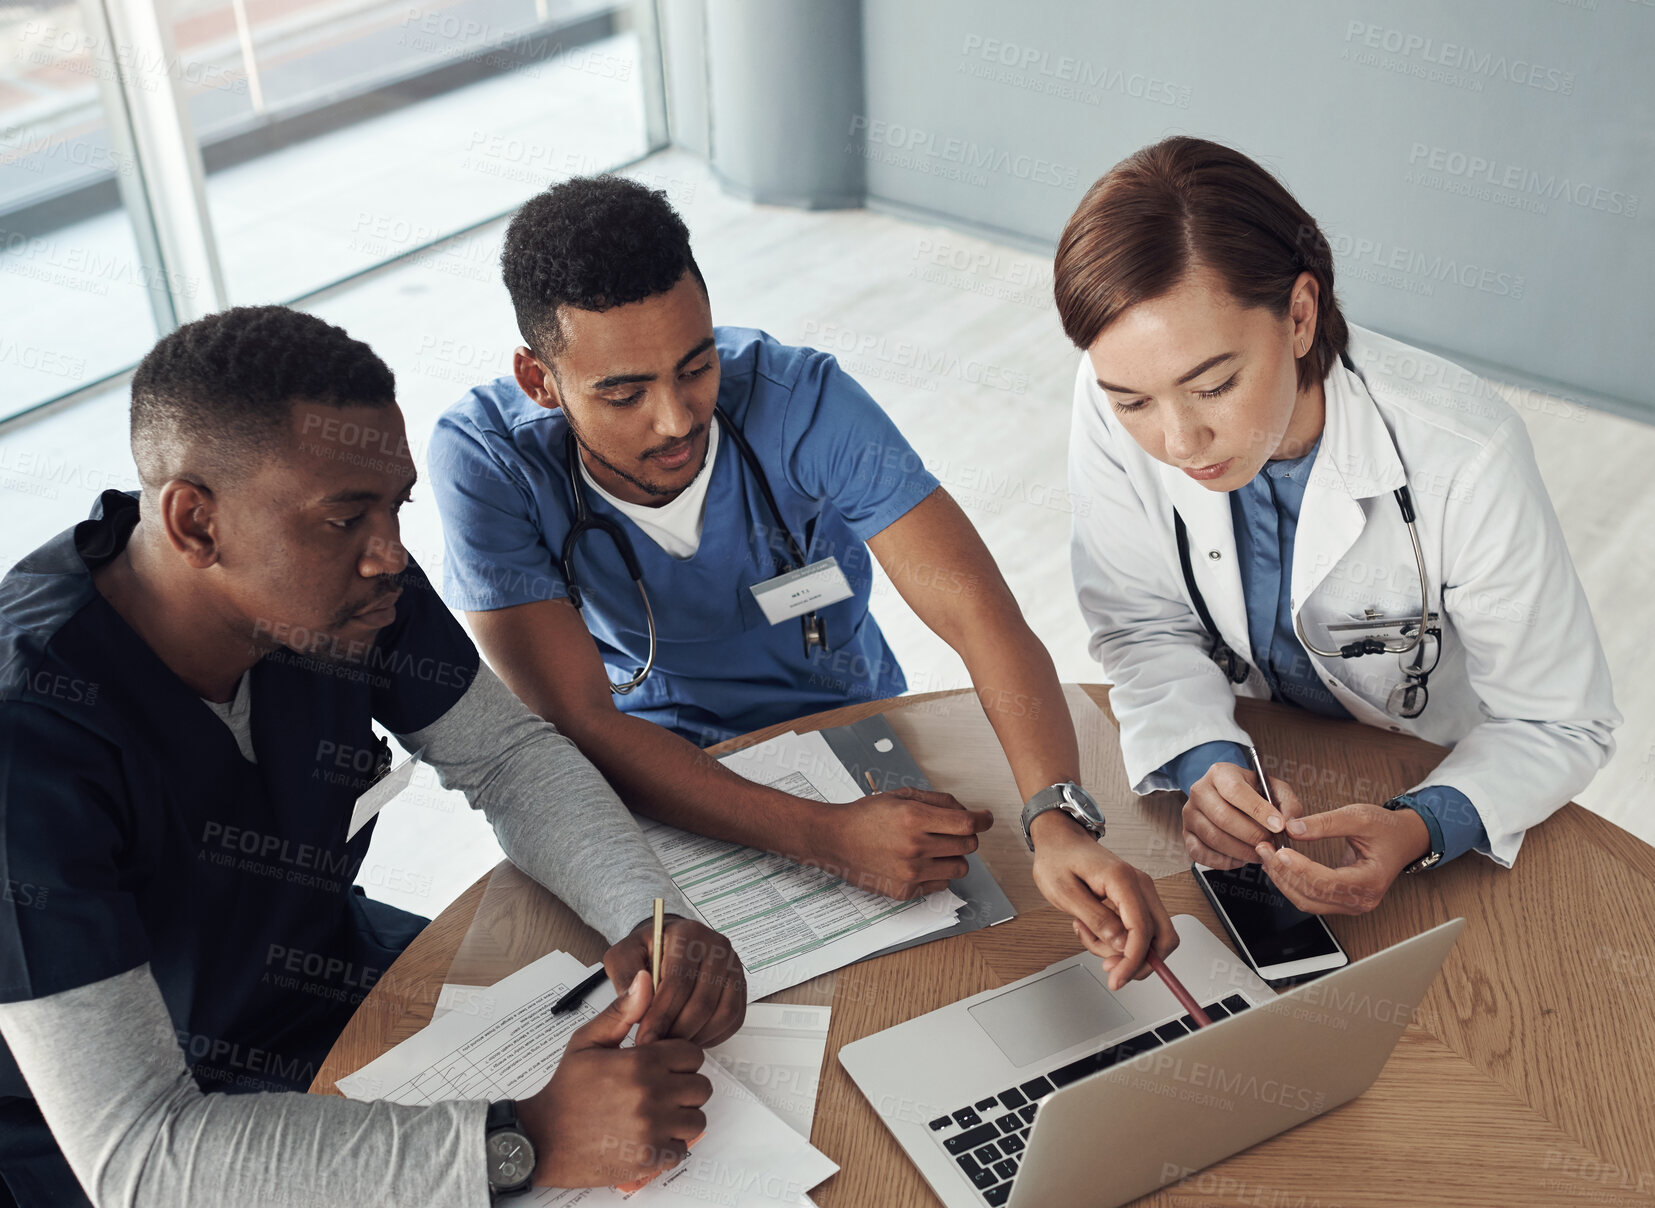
x: 778, y: 1056
x: 473, y: 1000
x: 790, y: 923
x: 748, y: 1155
x: 462, y: 1056
x: 802, y: 758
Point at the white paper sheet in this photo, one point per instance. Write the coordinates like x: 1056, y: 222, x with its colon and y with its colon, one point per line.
x: 806, y: 756
x: 749, y: 1157
x: 778, y: 1056
x: 472, y: 1000
x: 790, y: 923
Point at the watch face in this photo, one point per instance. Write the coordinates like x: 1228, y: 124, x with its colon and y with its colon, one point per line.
x: 510, y: 1159
x: 1080, y: 806
x: 1080, y: 816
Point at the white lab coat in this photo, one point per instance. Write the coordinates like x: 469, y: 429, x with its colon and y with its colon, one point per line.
x: 1522, y: 691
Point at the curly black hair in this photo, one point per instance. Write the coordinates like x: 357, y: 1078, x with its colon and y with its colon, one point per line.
x: 214, y: 396
x: 593, y: 243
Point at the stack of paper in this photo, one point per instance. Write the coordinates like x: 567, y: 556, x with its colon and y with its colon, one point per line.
x: 790, y: 923
x: 748, y: 1156
x: 778, y: 1056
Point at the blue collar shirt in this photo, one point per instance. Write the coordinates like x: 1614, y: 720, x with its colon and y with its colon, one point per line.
x: 1265, y: 514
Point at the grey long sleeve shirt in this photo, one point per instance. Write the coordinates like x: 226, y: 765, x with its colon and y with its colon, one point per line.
x: 105, y: 1067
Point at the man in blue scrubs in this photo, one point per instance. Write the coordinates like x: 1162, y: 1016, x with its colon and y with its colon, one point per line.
x: 626, y: 393
x: 188, y: 686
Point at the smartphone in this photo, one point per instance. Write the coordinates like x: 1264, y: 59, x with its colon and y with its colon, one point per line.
x: 1282, y: 943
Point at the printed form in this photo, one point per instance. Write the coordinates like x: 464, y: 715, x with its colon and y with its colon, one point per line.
x: 748, y: 1155
x: 790, y: 923
x: 777, y: 1054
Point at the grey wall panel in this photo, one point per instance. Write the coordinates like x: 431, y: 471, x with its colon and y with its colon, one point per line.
x: 683, y: 25
x: 785, y: 81
x: 1485, y: 169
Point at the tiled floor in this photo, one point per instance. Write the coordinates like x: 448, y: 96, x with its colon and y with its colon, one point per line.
x: 957, y: 338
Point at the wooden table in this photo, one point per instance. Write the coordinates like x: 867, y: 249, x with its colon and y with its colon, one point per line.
x: 1527, y: 1077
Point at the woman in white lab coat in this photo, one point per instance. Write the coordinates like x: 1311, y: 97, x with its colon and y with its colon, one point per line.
x: 1221, y: 387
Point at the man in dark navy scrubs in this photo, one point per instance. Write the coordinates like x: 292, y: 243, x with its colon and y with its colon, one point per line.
x: 188, y: 685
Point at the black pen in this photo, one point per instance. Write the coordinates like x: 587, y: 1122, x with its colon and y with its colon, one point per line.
x: 573, y: 999
x: 1278, y: 839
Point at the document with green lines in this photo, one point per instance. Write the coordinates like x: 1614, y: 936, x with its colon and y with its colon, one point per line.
x: 788, y: 922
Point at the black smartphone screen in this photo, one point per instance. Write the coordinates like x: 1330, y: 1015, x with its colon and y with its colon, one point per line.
x: 1273, y: 930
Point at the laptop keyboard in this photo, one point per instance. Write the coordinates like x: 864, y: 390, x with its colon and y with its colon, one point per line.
x: 987, y: 1138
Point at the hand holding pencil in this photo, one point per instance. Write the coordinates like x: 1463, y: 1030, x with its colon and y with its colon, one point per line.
x: 1118, y: 914
x: 699, y: 989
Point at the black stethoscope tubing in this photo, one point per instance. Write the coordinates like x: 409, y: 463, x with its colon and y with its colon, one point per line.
x: 815, y: 630
x: 1235, y: 667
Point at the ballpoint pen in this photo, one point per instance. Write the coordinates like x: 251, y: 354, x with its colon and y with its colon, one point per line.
x: 1278, y: 839
x: 576, y: 996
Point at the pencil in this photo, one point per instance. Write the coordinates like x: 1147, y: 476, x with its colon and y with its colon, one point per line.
x: 655, y: 948
x: 1184, y: 997
x: 872, y: 787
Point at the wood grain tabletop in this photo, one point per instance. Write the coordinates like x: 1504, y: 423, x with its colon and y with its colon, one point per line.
x: 1527, y: 1077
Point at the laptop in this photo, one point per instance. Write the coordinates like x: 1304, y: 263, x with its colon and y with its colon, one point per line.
x: 1055, y: 1090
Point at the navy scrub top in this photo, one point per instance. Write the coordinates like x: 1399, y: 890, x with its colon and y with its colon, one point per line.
x: 840, y: 471
x: 133, y: 830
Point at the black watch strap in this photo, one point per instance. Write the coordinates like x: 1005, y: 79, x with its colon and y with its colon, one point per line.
x: 1406, y: 801
x: 502, y: 1113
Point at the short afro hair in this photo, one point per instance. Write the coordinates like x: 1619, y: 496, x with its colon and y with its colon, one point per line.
x: 215, y: 396
x: 593, y: 243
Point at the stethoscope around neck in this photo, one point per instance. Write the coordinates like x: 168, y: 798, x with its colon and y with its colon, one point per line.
x: 812, y: 625
x: 1409, y: 698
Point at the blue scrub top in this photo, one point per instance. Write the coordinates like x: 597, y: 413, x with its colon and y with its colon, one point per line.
x: 133, y: 830
x: 840, y: 472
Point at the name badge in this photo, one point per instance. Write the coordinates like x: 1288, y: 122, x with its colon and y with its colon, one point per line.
x: 380, y: 795
x: 798, y: 591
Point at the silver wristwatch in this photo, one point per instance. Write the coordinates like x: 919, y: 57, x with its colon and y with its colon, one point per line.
x: 1072, y: 800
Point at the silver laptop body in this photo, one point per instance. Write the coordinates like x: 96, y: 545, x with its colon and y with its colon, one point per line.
x: 1053, y: 1090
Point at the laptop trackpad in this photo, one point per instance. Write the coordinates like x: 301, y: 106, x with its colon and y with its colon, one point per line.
x: 1049, y: 1015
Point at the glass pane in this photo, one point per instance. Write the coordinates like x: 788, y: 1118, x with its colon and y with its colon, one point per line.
x: 339, y: 133
x: 74, y: 296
